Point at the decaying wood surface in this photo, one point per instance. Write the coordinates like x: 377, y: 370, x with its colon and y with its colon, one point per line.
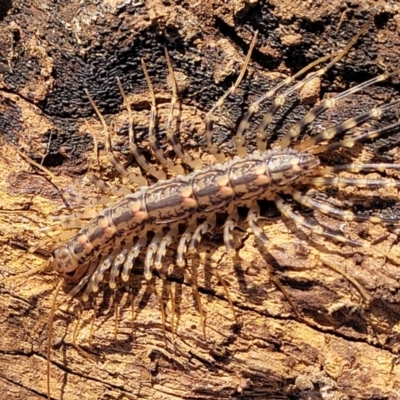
x: 323, y: 340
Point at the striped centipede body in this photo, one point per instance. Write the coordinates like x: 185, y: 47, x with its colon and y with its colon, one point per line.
x: 177, y: 212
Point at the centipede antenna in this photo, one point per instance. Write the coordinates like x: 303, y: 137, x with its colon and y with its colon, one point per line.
x: 50, y: 333
x: 25, y: 274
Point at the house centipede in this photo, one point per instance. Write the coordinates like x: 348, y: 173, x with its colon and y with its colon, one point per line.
x: 179, y: 211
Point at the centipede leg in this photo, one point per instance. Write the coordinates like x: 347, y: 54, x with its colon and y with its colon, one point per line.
x: 173, y: 310
x: 75, y: 337
x: 140, y: 159
x: 158, y: 153
x: 182, y: 244
x: 133, y: 315
x: 196, y: 295
x: 287, y: 211
x: 116, y: 315
x: 151, y: 250
x: 173, y: 139
x: 203, y: 228
x: 118, y: 166
x: 169, y: 237
x: 92, y: 326
x: 214, y: 149
x: 252, y: 218
x: 162, y: 310
x: 98, y: 274
x: 131, y: 257
x: 229, y: 226
x: 117, y: 190
x: 344, y: 215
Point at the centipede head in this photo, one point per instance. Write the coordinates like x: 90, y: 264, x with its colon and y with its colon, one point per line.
x: 66, y: 264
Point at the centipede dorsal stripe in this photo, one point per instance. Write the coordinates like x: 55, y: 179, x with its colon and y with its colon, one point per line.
x: 177, y: 202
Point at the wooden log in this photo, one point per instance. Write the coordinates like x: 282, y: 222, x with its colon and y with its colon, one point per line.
x: 318, y: 338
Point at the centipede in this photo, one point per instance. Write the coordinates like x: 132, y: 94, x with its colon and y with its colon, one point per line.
x: 171, y: 204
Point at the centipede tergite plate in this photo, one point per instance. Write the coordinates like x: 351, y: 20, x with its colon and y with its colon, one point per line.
x: 199, y: 200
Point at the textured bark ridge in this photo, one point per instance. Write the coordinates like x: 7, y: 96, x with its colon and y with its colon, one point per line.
x: 329, y: 334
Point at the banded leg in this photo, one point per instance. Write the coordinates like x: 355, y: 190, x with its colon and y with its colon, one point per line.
x: 254, y: 107
x: 182, y: 245
x: 162, y: 307
x: 131, y: 257
x: 214, y: 149
x: 92, y: 326
x: 229, y: 226
x: 356, y: 168
x: 98, y: 274
x: 328, y: 134
x: 79, y: 200
x: 31, y: 272
x: 115, y: 163
x: 117, y: 190
x: 117, y: 264
x: 287, y: 211
x: 82, y: 283
x: 195, y: 291
x: 280, y: 100
x: 151, y: 250
x: 158, y: 153
x: 142, y: 162
x: 344, y: 215
x: 252, y: 218
x: 75, y: 337
x: 173, y: 139
x: 169, y: 237
x: 207, y: 226
x: 359, y: 183
x: 69, y: 222
x: 295, y: 130
x: 351, y: 141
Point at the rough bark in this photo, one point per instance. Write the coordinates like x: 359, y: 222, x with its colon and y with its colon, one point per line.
x: 326, y: 335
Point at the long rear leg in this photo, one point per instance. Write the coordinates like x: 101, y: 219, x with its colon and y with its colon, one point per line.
x: 280, y: 100
x: 343, y: 215
x: 349, y: 142
x: 288, y: 212
x: 328, y: 134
